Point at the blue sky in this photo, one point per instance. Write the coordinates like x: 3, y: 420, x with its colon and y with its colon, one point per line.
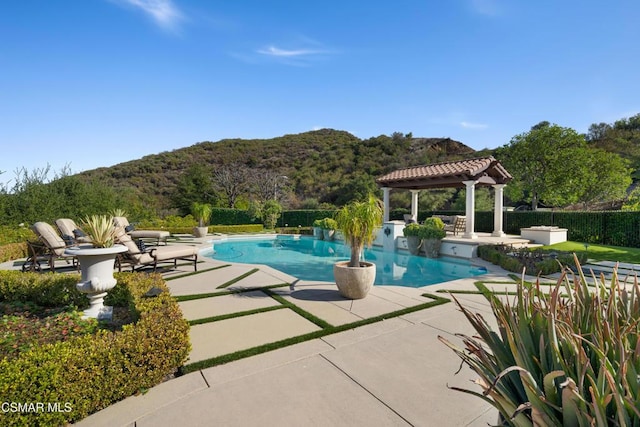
x: 91, y: 83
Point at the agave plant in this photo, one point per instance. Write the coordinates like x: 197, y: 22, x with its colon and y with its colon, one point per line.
x: 118, y: 212
x: 568, y: 355
x: 100, y: 229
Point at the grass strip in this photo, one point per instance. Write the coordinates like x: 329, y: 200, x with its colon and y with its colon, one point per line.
x: 300, y: 312
x: 182, y: 298
x: 237, y: 279
x: 219, y: 360
x: 196, y: 272
x: 234, y: 315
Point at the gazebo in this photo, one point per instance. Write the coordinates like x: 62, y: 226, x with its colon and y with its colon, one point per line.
x: 483, y: 171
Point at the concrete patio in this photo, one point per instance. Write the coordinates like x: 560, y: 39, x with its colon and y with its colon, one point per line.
x: 392, y: 372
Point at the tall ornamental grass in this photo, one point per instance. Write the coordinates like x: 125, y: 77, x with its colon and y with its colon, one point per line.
x: 567, y: 356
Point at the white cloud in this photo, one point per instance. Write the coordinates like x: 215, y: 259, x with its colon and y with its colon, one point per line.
x: 163, y: 12
x: 468, y: 125
x: 275, y: 51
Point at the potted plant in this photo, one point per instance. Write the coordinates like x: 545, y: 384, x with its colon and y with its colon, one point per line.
x: 317, y: 229
x: 432, y: 232
x: 202, y: 213
x: 97, y: 261
x: 358, y: 222
x: 414, y: 240
x: 329, y: 227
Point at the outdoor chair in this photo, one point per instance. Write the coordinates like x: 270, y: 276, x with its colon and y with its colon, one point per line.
x: 70, y: 232
x: 409, y: 219
x: 140, y: 257
x: 53, y: 248
x: 157, y: 235
x: 458, y: 226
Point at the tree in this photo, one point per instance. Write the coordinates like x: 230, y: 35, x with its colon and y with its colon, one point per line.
x: 194, y: 185
x: 608, y: 179
x: 622, y: 138
x: 555, y: 164
x: 483, y: 200
x: 548, y: 163
x: 232, y: 181
x: 266, y: 185
x: 268, y: 212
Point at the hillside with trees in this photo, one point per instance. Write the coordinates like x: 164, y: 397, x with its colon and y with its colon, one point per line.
x: 307, y: 170
x: 551, y: 164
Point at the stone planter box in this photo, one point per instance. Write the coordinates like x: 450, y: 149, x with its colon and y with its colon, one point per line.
x: 544, y: 235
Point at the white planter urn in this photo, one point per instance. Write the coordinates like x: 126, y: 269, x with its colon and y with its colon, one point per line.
x: 96, y: 269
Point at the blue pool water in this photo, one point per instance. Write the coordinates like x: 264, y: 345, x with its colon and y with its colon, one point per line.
x: 310, y: 259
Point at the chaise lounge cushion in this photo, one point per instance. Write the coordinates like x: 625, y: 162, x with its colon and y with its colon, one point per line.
x: 159, y: 235
x: 68, y: 227
x: 156, y: 254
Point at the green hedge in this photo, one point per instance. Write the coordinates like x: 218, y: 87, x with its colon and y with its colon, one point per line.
x: 615, y: 228
x: 88, y: 373
x: 242, y: 228
x: 226, y: 216
x: 303, y: 218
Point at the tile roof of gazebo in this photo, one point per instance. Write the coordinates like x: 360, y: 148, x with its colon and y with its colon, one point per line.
x: 483, y: 170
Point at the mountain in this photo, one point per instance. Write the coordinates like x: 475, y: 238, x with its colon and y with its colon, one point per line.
x: 318, y: 164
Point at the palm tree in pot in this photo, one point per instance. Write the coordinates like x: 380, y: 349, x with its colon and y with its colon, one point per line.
x: 202, y: 214
x: 358, y: 222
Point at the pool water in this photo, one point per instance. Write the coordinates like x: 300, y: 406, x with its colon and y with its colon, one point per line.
x: 312, y: 260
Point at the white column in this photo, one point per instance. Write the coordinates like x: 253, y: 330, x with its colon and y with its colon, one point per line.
x: 497, y: 211
x: 385, y: 198
x: 470, y: 209
x: 414, y: 204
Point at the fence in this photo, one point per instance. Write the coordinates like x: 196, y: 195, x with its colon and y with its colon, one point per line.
x: 616, y: 228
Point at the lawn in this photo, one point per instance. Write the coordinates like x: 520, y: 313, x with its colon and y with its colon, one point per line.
x: 600, y: 252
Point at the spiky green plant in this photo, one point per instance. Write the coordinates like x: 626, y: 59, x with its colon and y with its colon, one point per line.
x: 100, y: 229
x: 118, y: 212
x: 358, y: 222
x: 570, y: 356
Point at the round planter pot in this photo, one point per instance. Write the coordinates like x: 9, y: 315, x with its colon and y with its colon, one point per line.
x: 413, y: 244
x: 432, y: 247
x: 354, y: 282
x: 96, y: 269
x: 200, y: 231
x: 328, y: 234
x: 317, y: 233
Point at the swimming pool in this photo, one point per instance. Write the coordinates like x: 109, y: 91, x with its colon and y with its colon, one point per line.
x: 309, y: 259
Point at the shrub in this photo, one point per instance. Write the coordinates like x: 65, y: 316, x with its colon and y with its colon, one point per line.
x: 568, y: 356
x: 15, y: 234
x: 431, y: 232
x: 13, y: 251
x: 329, y: 224
x: 318, y: 223
x: 534, y: 261
x: 92, y: 371
x: 411, y: 230
x: 434, y: 222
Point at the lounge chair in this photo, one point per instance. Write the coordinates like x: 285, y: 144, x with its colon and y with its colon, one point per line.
x: 53, y: 248
x: 135, y: 257
x: 409, y: 219
x: 71, y: 232
x: 157, y: 235
x: 458, y: 226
